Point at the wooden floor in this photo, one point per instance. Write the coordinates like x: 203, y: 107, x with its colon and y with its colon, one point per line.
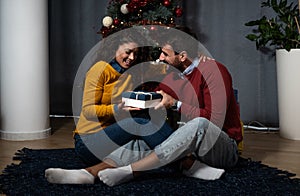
x: 269, y: 148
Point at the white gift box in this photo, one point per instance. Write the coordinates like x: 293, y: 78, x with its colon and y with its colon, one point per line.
x: 140, y: 99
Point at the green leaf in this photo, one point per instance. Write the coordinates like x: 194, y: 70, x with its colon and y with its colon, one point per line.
x: 252, y: 23
x: 281, y: 30
x: 283, y: 3
x: 252, y: 37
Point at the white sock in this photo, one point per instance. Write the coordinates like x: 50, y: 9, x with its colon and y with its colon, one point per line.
x: 203, y: 171
x: 116, y: 176
x: 72, y: 176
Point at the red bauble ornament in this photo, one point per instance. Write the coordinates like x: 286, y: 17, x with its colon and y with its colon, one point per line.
x: 167, y: 3
x: 133, y: 6
x: 143, y: 3
x: 104, y: 31
x: 116, y: 22
x: 178, y: 11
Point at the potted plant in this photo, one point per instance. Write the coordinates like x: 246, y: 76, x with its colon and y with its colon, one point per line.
x: 282, y: 33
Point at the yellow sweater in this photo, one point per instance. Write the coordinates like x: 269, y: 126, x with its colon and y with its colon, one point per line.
x: 99, y: 97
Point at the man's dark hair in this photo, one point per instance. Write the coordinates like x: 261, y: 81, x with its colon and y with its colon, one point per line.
x: 181, y: 39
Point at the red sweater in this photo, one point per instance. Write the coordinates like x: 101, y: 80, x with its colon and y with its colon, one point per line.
x: 206, y: 92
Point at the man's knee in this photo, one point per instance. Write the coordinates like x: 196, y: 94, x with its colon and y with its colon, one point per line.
x: 201, y: 122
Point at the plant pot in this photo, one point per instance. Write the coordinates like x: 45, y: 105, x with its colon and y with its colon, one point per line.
x: 288, y: 81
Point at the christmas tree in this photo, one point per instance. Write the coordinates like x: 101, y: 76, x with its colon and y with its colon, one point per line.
x: 123, y: 14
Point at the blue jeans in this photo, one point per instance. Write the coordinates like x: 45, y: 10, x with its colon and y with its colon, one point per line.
x: 92, y: 148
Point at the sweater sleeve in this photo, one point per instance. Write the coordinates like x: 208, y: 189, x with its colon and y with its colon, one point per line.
x: 97, y: 99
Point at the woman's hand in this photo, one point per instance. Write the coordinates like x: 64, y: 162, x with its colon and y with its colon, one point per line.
x: 122, y: 107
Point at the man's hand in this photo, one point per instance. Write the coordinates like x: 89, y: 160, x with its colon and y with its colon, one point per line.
x: 167, y: 100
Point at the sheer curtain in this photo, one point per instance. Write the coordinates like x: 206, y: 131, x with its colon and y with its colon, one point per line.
x: 73, y: 28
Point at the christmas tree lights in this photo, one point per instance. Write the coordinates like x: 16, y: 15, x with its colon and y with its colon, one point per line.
x: 123, y: 14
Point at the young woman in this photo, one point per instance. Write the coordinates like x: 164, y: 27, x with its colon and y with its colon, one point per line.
x: 105, y: 124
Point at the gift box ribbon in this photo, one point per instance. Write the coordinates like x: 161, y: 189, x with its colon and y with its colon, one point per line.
x: 140, y: 95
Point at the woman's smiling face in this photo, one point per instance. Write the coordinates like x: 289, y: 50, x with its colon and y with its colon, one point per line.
x: 126, y: 54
